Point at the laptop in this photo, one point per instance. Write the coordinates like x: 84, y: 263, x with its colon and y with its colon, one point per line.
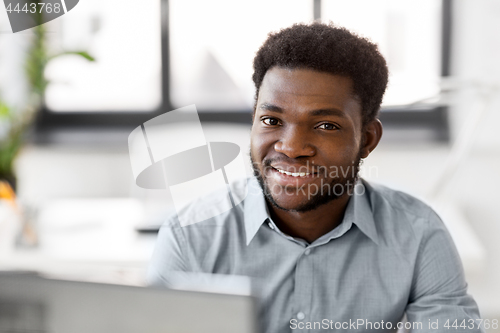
x: 30, y: 303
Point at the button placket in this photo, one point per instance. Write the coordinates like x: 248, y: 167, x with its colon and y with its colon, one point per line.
x: 303, y: 286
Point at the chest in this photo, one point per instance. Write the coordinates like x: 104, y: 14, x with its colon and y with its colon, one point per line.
x: 347, y: 278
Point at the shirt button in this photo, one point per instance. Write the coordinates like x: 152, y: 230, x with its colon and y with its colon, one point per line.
x: 270, y: 225
x: 307, y: 252
x: 301, y: 315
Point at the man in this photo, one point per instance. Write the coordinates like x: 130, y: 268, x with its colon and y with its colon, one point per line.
x: 328, y: 250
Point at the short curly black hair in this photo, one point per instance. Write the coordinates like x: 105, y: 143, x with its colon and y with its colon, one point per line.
x: 327, y: 48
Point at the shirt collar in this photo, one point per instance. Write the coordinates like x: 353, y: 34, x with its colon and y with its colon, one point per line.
x: 358, y: 211
x: 255, y: 211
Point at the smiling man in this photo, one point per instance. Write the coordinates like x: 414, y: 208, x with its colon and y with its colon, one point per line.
x: 326, y: 250
x: 308, y: 134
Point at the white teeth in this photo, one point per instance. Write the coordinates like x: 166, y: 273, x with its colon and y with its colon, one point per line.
x: 294, y: 174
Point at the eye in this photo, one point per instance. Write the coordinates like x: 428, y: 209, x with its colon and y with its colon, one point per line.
x: 270, y: 121
x: 328, y: 126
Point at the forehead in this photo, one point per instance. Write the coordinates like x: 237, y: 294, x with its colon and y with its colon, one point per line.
x: 306, y: 88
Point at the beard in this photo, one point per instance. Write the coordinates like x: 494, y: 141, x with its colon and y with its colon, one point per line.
x: 327, y: 193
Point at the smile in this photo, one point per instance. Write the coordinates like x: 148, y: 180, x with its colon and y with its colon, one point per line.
x: 291, y: 179
x: 294, y: 174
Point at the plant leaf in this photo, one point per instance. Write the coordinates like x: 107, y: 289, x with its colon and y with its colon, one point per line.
x: 82, y: 54
x: 4, y: 110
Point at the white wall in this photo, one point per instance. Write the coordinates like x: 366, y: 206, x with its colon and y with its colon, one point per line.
x: 476, y: 54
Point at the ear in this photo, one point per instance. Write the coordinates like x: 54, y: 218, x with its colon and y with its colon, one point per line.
x: 372, y: 133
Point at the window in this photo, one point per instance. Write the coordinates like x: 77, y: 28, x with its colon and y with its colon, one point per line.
x: 406, y: 33
x: 211, y: 55
x: 125, y: 38
x: 195, y: 51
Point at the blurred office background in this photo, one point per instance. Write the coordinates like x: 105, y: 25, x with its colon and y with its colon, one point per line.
x: 440, y: 117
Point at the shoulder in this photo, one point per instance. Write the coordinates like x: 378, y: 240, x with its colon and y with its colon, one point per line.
x: 205, y: 244
x: 209, y: 215
x: 387, y: 200
x: 401, y: 218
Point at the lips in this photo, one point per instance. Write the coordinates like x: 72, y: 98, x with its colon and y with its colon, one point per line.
x: 294, y: 170
x: 293, y: 174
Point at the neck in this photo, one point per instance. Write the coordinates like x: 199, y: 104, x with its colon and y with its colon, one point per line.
x: 312, y: 224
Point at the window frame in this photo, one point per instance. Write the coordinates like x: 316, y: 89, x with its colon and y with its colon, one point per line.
x: 410, y: 117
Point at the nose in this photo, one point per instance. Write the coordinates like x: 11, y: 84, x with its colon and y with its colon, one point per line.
x: 295, y: 143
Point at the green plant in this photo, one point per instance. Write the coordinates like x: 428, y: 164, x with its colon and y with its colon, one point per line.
x: 10, y: 141
x: 13, y: 121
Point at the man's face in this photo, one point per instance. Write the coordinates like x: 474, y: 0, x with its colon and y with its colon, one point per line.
x: 306, y: 137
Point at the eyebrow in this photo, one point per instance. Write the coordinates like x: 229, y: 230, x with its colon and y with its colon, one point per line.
x: 319, y: 112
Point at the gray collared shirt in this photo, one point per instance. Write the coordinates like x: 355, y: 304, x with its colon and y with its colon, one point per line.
x: 390, y: 256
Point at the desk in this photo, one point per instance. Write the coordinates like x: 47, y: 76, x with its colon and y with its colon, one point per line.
x: 88, y: 239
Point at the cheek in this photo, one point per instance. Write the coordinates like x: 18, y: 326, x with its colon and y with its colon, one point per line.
x: 339, y: 153
x: 260, y: 145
